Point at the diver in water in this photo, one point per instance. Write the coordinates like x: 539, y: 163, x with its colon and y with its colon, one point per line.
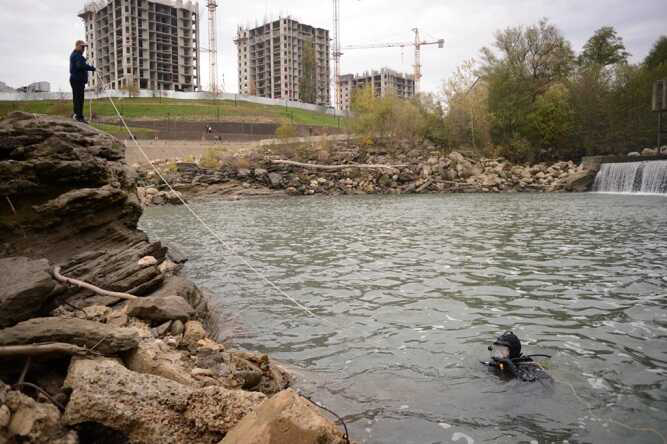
x: 507, y: 359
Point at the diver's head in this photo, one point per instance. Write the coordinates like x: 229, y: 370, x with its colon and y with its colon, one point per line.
x: 506, y: 346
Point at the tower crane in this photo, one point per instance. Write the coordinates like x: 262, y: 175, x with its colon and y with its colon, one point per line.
x: 212, y: 6
x: 418, y: 43
x: 336, y: 51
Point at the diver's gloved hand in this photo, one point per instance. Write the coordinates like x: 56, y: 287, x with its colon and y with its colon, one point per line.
x: 508, y: 365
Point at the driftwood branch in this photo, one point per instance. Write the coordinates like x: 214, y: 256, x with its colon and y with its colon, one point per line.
x: 425, y: 185
x: 59, y: 277
x: 316, y: 166
x: 42, y: 349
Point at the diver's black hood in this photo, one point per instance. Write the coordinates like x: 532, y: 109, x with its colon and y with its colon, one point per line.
x: 510, y: 340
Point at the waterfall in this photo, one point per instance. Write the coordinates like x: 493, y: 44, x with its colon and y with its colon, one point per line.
x: 633, y: 177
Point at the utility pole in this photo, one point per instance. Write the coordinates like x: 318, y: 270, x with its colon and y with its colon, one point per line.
x: 212, y: 6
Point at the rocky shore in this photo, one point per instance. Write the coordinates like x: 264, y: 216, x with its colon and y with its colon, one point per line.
x: 348, y: 168
x: 141, y: 364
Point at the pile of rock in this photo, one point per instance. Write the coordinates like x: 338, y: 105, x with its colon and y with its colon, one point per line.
x: 151, y: 197
x: 137, y: 365
x: 415, y: 171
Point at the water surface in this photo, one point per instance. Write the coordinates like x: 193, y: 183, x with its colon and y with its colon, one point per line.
x: 410, y: 290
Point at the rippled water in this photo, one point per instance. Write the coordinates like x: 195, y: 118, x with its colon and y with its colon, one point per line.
x: 411, y: 290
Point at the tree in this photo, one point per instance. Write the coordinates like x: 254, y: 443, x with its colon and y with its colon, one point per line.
x: 658, y: 54
x: 531, y: 60
x: 604, y: 48
x: 465, y: 97
x: 537, y: 55
x: 551, y: 123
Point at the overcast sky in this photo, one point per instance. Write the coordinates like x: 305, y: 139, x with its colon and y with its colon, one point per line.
x: 36, y: 36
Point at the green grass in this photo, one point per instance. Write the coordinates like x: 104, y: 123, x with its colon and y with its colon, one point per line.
x: 189, y: 110
x: 121, y: 132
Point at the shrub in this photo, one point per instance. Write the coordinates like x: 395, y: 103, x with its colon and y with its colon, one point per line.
x: 210, y: 159
x: 286, y: 131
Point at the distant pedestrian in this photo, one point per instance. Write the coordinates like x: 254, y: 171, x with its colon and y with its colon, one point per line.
x: 78, y: 77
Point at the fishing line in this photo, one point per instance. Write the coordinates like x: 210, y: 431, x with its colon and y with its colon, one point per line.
x: 625, y: 426
x: 227, y: 246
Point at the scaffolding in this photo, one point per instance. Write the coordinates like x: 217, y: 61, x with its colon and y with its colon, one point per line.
x: 144, y: 44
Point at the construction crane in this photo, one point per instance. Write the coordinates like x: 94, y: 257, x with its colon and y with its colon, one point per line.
x: 212, y: 49
x: 418, y: 43
x: 336, y: 51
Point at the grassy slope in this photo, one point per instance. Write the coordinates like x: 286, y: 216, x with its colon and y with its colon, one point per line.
x: 200, y: 110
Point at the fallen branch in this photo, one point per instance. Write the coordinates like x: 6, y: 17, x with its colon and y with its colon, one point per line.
x: 425, y: 185
x: 42, y: 349
x: 316, y: 166
x: 59, y: 277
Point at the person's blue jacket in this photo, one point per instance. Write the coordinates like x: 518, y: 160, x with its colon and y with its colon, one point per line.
x: 78, y: 68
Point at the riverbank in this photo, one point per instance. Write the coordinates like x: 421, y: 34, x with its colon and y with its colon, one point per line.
x: 347, y: 167
x: 101, y: 337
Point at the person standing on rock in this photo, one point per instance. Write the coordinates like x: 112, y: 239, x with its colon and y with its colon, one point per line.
x: 78, y: 77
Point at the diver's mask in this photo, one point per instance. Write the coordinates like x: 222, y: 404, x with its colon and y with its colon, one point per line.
x: 499, y: 352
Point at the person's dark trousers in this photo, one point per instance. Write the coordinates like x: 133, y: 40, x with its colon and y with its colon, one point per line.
x: 78, y: 97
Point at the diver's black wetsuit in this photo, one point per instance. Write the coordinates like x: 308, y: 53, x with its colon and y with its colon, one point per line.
x: 507, y: 359
x: 522, y: 367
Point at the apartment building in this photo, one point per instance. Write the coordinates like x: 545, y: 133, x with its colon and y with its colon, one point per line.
x: 284, y: 59
x: 382, y: 83
x: 151, y: 44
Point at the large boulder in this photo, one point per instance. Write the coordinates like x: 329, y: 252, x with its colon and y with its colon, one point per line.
x: 579, y: 182
x: 54, y: 169
x: 220, y: 410
x: 179, y: 286
x: 154, y: 357
x: 151, y: 409
x: 25, y: 287
x: 160, y: 309
x: 103, y: 338
x: 285, y: 418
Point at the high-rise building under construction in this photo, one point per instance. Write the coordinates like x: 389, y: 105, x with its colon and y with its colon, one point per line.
x: 381, y: 83
x: 284, y: 59
x: 148, y: 44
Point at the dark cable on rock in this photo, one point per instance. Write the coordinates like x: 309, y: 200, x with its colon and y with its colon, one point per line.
x: 315, y: 403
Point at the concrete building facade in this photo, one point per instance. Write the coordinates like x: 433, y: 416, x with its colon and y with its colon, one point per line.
x: 36, y: 87
x: 151, y: 44
x: 382, y: 83
x: 275, y: 60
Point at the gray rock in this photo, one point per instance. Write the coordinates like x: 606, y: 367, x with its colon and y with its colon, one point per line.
x: 104, y: 337
x: 179, y: 286
x: 579, y: 182
x: 175, y: 253
x: 25, y: 286
x: 161, y: 329
x: 275, y: 179
x: 160, y: 309
x: 40, y: 156
x: 260, y: 172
